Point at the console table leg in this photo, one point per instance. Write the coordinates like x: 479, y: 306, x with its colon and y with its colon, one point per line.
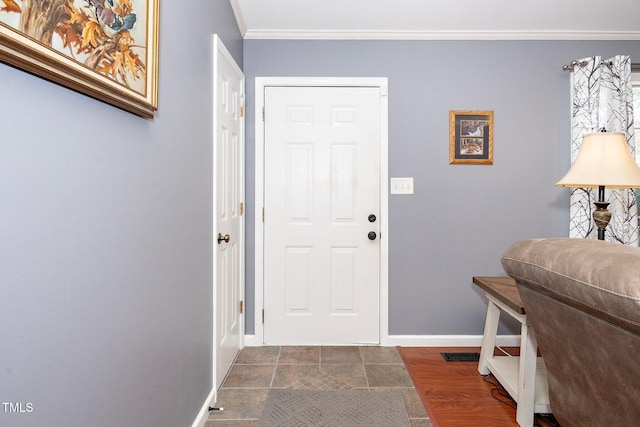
x: 489, y: 337
x: 527, y: 377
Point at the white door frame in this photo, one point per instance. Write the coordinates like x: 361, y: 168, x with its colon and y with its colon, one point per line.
x: 380, y: 82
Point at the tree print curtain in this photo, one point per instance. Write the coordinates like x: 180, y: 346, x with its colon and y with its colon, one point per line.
x: 602, y: 97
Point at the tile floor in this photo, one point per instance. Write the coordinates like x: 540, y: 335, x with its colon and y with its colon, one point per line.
x: 257, y: 369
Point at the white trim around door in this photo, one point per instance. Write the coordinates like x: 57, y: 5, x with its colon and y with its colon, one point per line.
x: 260, y: 84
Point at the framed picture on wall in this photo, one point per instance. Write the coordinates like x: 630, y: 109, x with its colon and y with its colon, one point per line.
x: 471, y: 137
x: 106, y: 49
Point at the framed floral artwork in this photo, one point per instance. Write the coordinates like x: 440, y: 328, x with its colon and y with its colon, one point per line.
x: 106, y: 49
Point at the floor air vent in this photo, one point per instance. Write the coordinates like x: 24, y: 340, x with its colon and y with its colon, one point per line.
x: 461, y: 357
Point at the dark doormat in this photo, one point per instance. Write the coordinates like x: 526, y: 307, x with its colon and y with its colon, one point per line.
x: 461, y: 357
x: 352, y: 408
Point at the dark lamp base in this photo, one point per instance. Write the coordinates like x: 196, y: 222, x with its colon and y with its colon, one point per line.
x: 601, y: 216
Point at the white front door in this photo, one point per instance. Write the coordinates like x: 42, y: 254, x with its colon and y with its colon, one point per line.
x: 321, y: 215
x: 228, y: 185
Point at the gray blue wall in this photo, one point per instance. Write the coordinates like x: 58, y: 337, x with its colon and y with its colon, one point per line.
x: 105, y: 241
x: 461, y: 217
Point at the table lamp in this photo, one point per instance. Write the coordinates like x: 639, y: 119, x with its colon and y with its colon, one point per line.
x: 604, y: 160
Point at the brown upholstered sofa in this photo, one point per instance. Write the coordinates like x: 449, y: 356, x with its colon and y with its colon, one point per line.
x: 582, y: 298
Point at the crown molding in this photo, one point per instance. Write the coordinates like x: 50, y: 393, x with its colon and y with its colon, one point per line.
x: 436, y: 35
x: 237, y: 11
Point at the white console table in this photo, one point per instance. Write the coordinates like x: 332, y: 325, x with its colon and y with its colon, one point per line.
x: 524, y: 377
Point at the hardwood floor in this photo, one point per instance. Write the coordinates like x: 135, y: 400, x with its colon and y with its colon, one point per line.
x: 455, y: 394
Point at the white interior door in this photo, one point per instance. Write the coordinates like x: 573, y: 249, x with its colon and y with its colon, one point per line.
x: 321, y: 219
x: 228, y: 177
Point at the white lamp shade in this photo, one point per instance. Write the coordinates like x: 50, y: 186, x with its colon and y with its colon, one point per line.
x: 603, y: 159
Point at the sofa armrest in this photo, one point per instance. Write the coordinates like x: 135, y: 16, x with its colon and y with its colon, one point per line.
x: 600, y: 278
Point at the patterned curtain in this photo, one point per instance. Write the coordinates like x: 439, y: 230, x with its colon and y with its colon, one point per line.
x: 602, y: 97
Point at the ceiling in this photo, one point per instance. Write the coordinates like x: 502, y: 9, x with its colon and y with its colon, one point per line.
x: 439, y: 19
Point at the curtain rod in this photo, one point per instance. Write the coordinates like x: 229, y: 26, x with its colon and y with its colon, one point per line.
x: 634, y: 67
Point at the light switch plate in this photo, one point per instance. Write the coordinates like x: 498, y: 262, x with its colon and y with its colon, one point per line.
x: 401, y: 185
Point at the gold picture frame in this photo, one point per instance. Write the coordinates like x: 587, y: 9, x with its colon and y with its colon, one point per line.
x: 471, y: 137
x: 106, y: 49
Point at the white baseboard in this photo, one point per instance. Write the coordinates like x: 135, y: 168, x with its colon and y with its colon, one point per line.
x: 449, y: 340
x: 203, y: 415
x: 250, y: 341
x: 428, y: 340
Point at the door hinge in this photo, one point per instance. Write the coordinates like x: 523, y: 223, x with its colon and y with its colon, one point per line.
x: 262, y: 214
x: 263, y: 113
x: 241, y: 304
x: 263, y: 315
x: 241, y: 208
x: 242, y: 111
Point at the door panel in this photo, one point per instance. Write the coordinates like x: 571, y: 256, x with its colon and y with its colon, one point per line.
x: 321, y: 272
x: 228, y: 187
